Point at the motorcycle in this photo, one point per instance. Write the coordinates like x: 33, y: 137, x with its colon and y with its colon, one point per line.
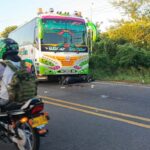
x: 23, y: 124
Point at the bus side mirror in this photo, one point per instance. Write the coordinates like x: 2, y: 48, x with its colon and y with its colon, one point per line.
x: 40, y: 29
x: 36, y: 37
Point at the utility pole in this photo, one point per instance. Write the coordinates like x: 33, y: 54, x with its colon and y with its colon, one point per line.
x: 91, y: 32
x: 92, y: 11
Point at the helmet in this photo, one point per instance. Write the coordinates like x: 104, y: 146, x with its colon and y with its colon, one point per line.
x: 8, y: 47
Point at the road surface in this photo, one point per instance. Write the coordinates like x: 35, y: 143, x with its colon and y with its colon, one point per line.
x: 96, y: 116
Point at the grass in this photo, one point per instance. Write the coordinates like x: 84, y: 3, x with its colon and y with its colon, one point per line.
x: 130, y: 76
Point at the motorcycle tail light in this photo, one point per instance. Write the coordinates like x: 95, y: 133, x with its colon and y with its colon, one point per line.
x: 37, y: 109
x: 24, y: 120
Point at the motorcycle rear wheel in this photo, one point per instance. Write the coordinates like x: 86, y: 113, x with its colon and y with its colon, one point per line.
x: 30, y: 140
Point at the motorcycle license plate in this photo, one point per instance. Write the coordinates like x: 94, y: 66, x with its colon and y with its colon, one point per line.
x: 38, y: 121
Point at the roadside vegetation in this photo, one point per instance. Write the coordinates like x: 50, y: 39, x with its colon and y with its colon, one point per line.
x: 123, y: 52
x: 7, y: 30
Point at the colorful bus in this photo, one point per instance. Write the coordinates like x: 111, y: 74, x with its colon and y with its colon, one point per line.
x: 54, y: 44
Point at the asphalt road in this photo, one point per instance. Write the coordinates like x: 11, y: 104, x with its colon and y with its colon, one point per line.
x: 96, y: 116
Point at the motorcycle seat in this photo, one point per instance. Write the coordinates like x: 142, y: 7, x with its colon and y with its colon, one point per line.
x: 10, y: 106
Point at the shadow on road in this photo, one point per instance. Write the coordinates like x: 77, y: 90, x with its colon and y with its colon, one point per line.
x: 7, y: 146
x: 68, y: 80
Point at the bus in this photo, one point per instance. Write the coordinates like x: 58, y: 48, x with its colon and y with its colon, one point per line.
x: 54, y: 44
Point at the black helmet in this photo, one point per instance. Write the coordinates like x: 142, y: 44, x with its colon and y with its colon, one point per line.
x: 8, y: 47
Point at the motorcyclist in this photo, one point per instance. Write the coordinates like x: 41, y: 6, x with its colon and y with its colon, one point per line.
x: 8, y: 51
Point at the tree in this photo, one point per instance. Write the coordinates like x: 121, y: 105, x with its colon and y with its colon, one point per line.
x: 7, y: 30
x: 133, y: 32
x: 145, y: 14
x: 135, y: 9
x: 137, y: 29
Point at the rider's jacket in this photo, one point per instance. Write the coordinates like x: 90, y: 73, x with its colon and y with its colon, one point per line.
x: 6, y: 74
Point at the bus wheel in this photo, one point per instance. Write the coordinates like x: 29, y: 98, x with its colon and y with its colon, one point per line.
x: 62, y: 80
x: 53, y: 78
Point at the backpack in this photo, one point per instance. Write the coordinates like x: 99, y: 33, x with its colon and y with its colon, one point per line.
x: 23, y: 85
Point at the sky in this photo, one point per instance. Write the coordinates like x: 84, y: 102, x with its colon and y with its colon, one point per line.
x: 17, y: 12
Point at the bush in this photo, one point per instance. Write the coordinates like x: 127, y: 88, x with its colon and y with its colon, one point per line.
x: 106, y: 46
x: 119, y: 60
x: 99, y: 62
x: 128, y: 56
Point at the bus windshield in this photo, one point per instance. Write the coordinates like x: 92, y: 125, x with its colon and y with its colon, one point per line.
x: 60, y: 32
